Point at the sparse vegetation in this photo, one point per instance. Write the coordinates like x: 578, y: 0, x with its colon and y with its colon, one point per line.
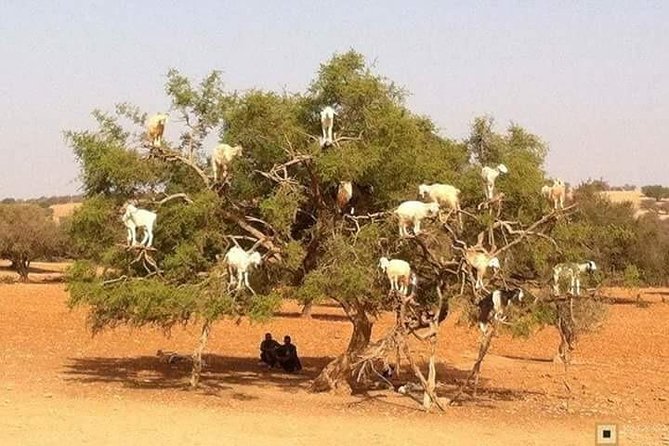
x: 656, y: 191
x: 28, y: 233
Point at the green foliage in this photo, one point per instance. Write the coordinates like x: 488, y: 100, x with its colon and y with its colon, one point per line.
x: 137, y: 303
x: 156, y: 302
x: 631, y: 276
x: 81, y: 271
x: 280, y: 209
x: 183, y: 261
x: 522, y: 153
x: 656, y: 191
x: 202, y: 107
x: 347, y: 272
x: 651, y: 251
x: 95, y: 226
x: 109, y: 166
x: 283, y: 187
x: 27, y: 233
x: 601, y: 231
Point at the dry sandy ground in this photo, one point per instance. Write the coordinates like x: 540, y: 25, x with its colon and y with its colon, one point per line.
x: 58, y: 385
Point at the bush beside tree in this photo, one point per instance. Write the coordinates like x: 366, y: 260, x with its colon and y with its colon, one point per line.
x: 28, y: 233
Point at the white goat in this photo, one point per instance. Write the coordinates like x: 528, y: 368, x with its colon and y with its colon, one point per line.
x: 398, y: 272
x: 221, y: 158
x: 327, y: 123
x: 155, y: 127
x: 239, y: 262
x: 572, y: 272
x: 134, y: 218
x: 480, y: 262
x: 444, y: 194
x: 555, y: 193
x: 489, y: 175
x: 414, y: 212
x: 344, y: 195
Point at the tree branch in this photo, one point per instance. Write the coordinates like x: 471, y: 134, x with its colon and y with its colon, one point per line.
x: 183, y: 196
x: 171, y: 155
x: 523, y: 234
x: 266, y: 241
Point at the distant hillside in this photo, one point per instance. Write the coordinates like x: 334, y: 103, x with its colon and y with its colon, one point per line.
x: 641, y: 203
x: 46, y: 201
x: 62, y: 206
x: 61, y: 211
x: 626, y: 196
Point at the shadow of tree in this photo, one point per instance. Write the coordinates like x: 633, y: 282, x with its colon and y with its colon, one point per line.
x: 526, y: 358
x: 221, y: 372
x: 233, y: 373
x: 32, y: 270
x: 315, y: 316
x: 451, y: 378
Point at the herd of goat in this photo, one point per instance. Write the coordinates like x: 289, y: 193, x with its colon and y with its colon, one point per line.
x: 409, y: 214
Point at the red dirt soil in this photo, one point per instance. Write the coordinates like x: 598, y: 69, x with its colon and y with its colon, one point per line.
x: 59, y: 385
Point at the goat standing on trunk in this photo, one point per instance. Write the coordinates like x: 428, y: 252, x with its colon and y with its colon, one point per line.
x: 414, y: 212
x: 327, y: 123
x: 489, y: 175
x: 239, y: 263
x: 222, y: 157
x: 155, y: 128
x: 134, y: 218
x: 555, y: 193
x: 398, y: 272
x: 571, y: 272
x: 480, y: 262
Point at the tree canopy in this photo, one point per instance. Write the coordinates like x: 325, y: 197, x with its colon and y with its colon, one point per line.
x: 280, y: 198
x: 656, y: 191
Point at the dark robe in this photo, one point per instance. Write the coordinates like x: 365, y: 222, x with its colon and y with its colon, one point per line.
x: 268, y: 350
x: 288, y: 359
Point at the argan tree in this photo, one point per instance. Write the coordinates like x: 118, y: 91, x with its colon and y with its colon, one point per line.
x: 279, y: 197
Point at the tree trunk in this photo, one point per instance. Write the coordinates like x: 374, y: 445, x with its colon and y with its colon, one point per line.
x: 197, y: 355
x: 336, y: 376
x: 431, y: 377
x: 476, y: 369
x: 22, y: 267
x: 362, y: 332
x: 306, y: 309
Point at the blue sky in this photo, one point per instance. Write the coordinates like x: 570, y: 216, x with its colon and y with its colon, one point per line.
x: 591, y: 79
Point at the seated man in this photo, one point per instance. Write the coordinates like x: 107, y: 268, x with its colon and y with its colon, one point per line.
x: 268, y: 350
x: 287, y: 356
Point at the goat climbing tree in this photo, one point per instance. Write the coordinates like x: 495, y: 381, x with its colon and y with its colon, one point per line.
x: 280, y: 196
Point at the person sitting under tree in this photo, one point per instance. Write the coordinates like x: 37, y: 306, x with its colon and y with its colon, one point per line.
x: 287, y: 356
x: 268, y: 349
